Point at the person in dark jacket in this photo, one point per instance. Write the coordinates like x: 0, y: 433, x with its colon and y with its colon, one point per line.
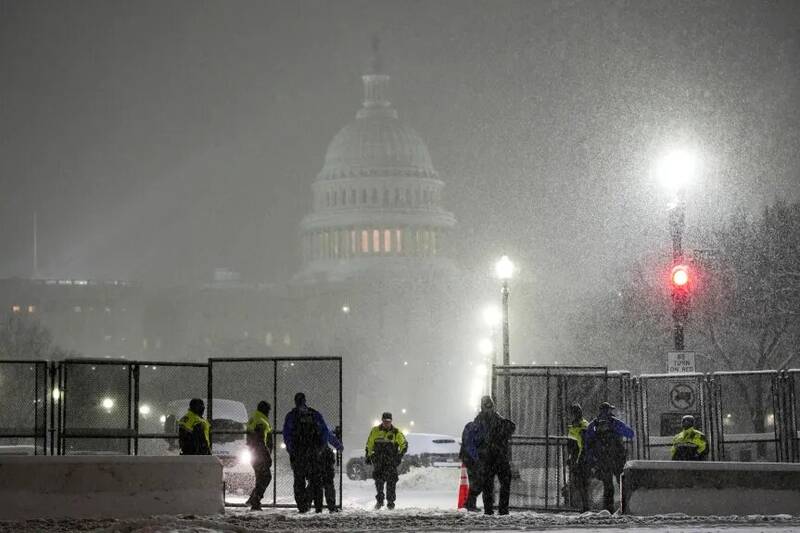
x: 194, y: 430
x: 576, y: 458
x: 605, y: 450
x: 259, y: 440
x: 493, y: 443
x: 329, y: 461
x: 385, y: 448
x: 469, y: 456
x: 306, y: 435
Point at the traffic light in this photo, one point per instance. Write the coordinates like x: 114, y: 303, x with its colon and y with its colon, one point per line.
x: 680, y: 277
x: 681, y: 280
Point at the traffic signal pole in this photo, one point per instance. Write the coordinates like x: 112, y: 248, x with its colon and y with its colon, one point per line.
x: 680, y: 307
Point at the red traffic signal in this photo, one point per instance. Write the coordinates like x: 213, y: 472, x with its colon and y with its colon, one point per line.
x: 680, y: 276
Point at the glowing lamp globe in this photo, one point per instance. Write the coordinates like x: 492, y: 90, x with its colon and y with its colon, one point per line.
x: 504, y: 268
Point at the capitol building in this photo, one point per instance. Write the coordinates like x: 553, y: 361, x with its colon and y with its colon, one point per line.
x: 377, y: 200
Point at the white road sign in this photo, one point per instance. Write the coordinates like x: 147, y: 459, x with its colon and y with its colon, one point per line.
x: 680, y: 362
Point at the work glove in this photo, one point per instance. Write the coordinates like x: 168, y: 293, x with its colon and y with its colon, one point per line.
x: 368, y: 459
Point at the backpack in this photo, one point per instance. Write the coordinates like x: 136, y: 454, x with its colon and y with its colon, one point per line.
x: 307, y: 433
x: 611, y: 453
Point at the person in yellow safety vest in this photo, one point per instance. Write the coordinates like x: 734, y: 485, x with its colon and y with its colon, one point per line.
x: 690, y: 444
x: 259, y: 440
x: 386, y: 446
x: 194, y: 430
x: 576, y: 459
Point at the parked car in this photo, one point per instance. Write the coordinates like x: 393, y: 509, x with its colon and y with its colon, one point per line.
x: 424, y: 449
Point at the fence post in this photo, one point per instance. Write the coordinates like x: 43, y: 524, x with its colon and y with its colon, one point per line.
x: 135, y: 409
x: 210, y: 410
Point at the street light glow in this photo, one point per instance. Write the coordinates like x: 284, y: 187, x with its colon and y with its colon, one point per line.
x: 676, y: 169
x: 107, y: 404
x: 144, y: 409
x: 485, y: 346
x: 504, y: 268
x: 492, y: 316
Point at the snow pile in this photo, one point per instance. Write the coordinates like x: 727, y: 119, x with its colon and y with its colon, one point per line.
x: 237, y: 520
x: 445, y: 479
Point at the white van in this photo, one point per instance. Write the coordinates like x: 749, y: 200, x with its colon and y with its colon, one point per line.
x: 229, y: 415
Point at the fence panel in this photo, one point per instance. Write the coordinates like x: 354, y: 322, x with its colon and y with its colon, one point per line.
x: 96, y: 407
x: 746, y: 401
x: 662, y: 401
x: 23, y: 407
x: 276, y: 380
x: 793, y: 414
x: 537, y: 399
x: 161, y: 396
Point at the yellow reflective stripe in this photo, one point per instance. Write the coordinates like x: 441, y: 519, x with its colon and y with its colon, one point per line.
x: 190, y: 420
x: 575, y: 432
x: 259, y: 419
x: 689, y: 436
x: 393, y: 436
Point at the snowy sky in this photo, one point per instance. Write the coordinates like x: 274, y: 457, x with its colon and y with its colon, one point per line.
x: 163, y: 139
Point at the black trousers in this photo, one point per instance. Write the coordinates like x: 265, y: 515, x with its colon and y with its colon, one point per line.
x: 489, y: 468
x: 261, y: 469
x: 473, y: 472
x: 608, y: 489
x: 307, y: 481
x: 385, y: 475
x: 328, y: 487
x: 579, y: 486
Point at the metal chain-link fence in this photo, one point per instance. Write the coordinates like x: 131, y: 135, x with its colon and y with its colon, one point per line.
x: 276, y: 380
x: 537, y: 399
x: 23, y: 407
x: 661, y: 401
x: 121, y: 407
x: 746, y: 405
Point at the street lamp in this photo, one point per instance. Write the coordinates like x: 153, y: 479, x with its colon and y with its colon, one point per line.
x: 675, y: 170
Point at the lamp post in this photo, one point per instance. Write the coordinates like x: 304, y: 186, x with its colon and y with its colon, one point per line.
x: 492, y: 317
x: 675, y: 170
x: 504, y: 269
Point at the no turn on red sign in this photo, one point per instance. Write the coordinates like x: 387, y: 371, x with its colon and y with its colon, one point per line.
x: 680, y: 362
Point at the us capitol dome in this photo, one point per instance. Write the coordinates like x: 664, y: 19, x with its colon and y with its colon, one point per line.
x: 377, y: 205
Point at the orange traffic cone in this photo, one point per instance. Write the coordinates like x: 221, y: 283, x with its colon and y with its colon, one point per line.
x: 463, y: 488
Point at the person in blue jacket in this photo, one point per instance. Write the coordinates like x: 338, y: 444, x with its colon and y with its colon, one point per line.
x: 469, y: 456
x: 605, y: 450
x: 306, y: 435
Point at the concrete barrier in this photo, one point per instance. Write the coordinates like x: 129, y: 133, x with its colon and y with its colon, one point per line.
x: 97, y: 486
x: 710, y: 488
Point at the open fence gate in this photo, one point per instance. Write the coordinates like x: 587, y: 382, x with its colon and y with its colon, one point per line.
x: 537, y: 399
x: 240, y: 383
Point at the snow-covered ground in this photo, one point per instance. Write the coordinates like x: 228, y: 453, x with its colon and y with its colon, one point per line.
x: 426, y: 500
